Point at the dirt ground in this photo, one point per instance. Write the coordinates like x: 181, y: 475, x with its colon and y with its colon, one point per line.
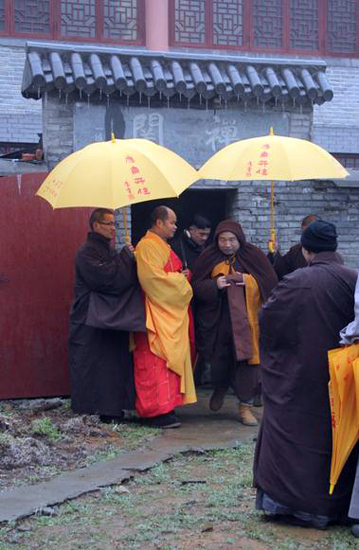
x: 196, y: 500
x: 193, y: 501
x: 41, y: 438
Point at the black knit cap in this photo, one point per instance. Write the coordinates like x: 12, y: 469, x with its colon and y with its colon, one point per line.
x: 320, y: 236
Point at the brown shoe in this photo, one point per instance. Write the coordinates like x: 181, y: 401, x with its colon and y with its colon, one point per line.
x: 217, y: 399
x: 246, y: 416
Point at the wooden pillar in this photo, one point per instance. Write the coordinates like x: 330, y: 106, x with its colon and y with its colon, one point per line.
x: 157, y: 24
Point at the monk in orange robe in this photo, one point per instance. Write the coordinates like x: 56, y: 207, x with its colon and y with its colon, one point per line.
x: 162, y: 357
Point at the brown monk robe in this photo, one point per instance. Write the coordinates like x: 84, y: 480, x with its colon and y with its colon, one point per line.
x: 231, y: 279
x: 293, y: 259
x: 299, y: 324
x: 101, y: 369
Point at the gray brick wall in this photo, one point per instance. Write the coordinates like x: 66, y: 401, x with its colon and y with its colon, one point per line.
x: 293, y: 201
x: 20, y: 118
x: 336, y: 124
x: 249, y: 202
x: 58, y: 124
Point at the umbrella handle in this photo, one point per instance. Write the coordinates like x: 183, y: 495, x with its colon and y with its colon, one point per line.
x: 272, y: 228
x: 272, y: 241
x: 124, y: 217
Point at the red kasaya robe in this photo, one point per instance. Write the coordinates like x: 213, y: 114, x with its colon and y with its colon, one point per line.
x: 163, y: 374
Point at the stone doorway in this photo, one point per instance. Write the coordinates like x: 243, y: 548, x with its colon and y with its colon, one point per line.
x: 214, y: 204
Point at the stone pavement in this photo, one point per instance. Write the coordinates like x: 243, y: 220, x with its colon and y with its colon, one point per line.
x: 201, y: 430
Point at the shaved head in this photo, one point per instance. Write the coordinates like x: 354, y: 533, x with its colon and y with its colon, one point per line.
x: 164, y: 221
x: 308, y: 220
x: 160, y: 213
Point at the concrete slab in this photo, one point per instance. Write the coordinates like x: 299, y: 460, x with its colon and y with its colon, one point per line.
x: 201, y: 430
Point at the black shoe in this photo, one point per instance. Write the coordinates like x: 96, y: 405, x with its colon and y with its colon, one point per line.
x: 165, y: 421
x: 108, y: 419
x: 217, y: 399
x: 297, y: 522
x: 355, y: 531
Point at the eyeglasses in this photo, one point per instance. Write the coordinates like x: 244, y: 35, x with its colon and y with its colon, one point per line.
x: 113, y: 224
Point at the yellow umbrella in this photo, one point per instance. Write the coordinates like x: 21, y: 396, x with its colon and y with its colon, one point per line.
x: 356, y: 381
x: 115, y: 174
x: 343, y: 392
x: 272, y: 158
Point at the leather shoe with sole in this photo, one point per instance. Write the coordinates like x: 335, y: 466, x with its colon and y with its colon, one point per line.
x: 217, y: 399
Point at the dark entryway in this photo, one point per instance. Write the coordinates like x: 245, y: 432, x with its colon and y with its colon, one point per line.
x: 213, y: 204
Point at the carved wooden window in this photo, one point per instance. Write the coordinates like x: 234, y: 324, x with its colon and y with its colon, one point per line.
x: 342, y: 30
x: 120, y: 19
x: 78, y: 18
x: 304, y: 25
x: 32, y: 16
x: 2, y: 15
x: 319, y: 27
x: 190, y: 21
x: 268, y: 23
x: 227, y: 23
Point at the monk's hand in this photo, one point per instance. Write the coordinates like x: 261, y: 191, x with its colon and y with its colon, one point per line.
x: 130, y: 247
x: 222, y: 282
x: 235, y: 278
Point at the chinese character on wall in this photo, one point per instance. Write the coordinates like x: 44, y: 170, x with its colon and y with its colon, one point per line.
x: 149, y: 126
x: 221, y: 132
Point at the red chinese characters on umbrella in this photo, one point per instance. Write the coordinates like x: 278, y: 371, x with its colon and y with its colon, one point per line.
x: 140, y: 184
x: 53, y: 188
x: 263, y: 161
x: 261, y: 165
x: 249, y: 169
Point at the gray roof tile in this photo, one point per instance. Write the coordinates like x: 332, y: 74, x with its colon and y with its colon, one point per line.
x: 71, y: 69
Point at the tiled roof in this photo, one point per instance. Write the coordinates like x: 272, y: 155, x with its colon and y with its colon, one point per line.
x: 107, y: 72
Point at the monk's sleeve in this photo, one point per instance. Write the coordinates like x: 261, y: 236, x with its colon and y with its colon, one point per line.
x: 160, y: 287
x: 112, y: 276
x: 206, y: 290
x: 282, y: 264
x: 278, y: 317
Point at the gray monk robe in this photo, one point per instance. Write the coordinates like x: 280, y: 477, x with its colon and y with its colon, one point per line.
x: 101, y: 369
x: 299, y: 324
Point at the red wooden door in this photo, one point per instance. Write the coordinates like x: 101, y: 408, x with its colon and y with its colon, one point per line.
x: 37, y: 250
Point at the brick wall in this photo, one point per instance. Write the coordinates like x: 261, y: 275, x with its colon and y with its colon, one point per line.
x: 336, y: 124
x: 250, y: 203
x: 58, y: 124
x: 20, y: 118
x: 293, y: 201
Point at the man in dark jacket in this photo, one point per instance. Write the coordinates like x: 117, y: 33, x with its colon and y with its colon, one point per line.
x: 189, y: 245
x: 101, y: 369
x: 299, y: 324
x: 294, y: 258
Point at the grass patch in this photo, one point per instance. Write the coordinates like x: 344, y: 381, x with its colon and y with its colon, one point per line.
x: 45, y: 427
x: 194, y: 501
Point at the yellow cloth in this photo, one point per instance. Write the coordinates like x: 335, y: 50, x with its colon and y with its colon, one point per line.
x: 253, y: 305
x: 168, y: 296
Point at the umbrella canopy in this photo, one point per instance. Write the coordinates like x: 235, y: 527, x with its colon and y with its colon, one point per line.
x: 117, y: 173
x: 272, y: 158
x: 343, y: 392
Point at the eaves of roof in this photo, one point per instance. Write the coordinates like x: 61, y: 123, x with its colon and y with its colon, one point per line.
x: 107, y: 72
